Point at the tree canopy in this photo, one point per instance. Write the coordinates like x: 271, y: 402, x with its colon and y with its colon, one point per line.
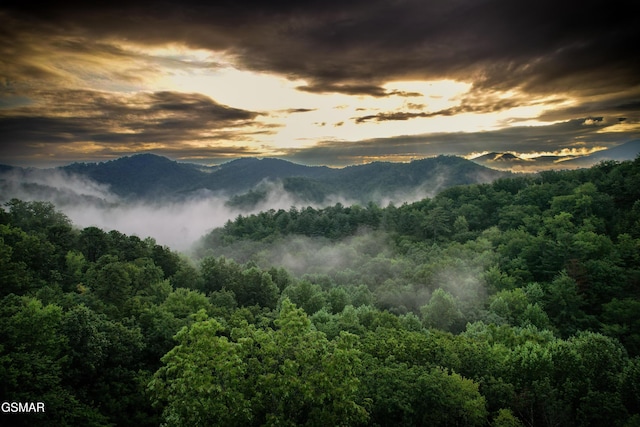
x: 515, y: 303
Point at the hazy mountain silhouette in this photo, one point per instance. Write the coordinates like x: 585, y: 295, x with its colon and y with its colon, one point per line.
x: 152, y: 176
x: 626, y: 151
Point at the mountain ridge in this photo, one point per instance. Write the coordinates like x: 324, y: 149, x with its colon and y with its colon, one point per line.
x: 152, y: 177
x: 625, y: 151
x: 248, y: 183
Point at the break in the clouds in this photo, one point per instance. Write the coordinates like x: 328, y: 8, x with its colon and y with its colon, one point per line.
x: 216, y: 80
x: 575, y: 137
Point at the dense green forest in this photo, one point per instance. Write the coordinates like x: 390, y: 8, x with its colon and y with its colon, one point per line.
x: 515, y: 303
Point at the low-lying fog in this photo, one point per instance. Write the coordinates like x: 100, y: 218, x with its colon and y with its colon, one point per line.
x: 363, y: 258
x: 177, y: 224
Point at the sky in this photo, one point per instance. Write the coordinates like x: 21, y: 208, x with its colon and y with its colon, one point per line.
x: 332, y: 82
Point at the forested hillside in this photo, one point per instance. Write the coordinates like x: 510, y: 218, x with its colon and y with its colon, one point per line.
x: 515, y: 303
x: 150, y: 176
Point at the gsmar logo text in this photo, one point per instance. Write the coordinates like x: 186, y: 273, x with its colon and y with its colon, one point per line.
x: 22, y: 407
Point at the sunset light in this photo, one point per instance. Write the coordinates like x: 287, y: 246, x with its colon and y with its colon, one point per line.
x: 278, y: 83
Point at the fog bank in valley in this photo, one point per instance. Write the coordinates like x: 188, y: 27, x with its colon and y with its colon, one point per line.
x: 174, y: 223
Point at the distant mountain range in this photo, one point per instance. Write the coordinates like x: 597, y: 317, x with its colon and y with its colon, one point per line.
x: 248, y: 181
x: 509, y: 161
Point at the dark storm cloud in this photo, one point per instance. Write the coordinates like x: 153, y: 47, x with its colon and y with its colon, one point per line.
x: 476, y: 103
x: 465, y: 108
x: 347, y: 89
x: 583, y: 52
x: 574, y: 134
x: 354, y: 47
x: 109, y: 120
x: 625, y: 105
x: 298, y: 110
x: 201, y: 106
x: 356, y: 89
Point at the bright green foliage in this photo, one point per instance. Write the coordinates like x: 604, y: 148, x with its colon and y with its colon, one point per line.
x: 450, y: 399
x: 287, y: 376
x: 182, y: 303
x: 202, y: 382
x: 543, y: 270
x: 33, y: 361
x: 517, y: 308
x: 75, y: 267
x: 505, y: 418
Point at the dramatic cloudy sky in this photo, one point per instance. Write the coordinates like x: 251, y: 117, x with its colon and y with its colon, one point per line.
x: 316, y: 82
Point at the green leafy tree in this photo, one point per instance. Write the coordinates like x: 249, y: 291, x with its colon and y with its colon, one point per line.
x: 518, y: 309
x: 505, y: 418
x: 449, y: 399
x: 436, y: 223
x: 32, y: 362
x: 587, y: 372
x: 410, y: 395
x: 337, y: 299
x: 42, y: 218
x: 255, y: 287
x: 111, y: 283
x: 158, y: 327
x: 564, y: 305
x: 288, y: 376
x: 94, y: 243
x: 630, y: 386
x: 219, y: 273
x: 32, y: 254
x: 442, y: 311
x: 621, y: 319
x: 202, y: 382
x: 188, y: 276
x: 305, y: 295
x: 182, y: 303
x: 14, y: 274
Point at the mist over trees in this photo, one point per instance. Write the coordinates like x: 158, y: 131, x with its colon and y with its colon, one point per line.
x: 176, y: 203
x: 511, y: 303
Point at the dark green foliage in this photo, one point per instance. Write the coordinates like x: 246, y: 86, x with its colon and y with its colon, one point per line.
x: 413, y: 395
x: 306, y: 189
x: 247, y: 201
x: 142, y: 175
x: 150, y: 176
x: 506, y: 304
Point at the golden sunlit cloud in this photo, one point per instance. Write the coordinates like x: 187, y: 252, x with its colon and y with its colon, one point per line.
x: 250, y: 89
x: 565, y: 152
x: 622, y: 127
x: 273, y: 95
